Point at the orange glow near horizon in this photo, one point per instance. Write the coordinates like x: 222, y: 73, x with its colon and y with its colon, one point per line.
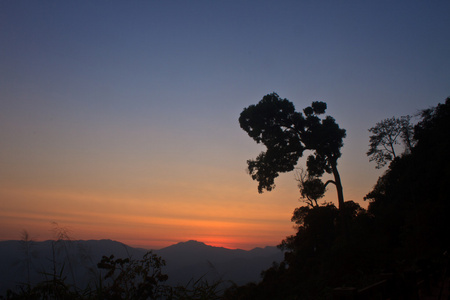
x: 145, y: 223
x: 128, y: 131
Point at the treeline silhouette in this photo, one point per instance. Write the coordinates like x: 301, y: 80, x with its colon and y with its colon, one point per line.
x: 404, y: 231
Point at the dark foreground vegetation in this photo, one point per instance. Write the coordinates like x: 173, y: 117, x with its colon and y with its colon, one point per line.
x: 403, y: 235
x: 122, y: 278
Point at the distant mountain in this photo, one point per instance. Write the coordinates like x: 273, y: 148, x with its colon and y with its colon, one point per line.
x: 23, y: 262
x: 192, y: 260
x: 31, y: 262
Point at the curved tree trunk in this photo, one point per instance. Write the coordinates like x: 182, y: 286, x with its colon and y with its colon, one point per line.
x: 337, y: 182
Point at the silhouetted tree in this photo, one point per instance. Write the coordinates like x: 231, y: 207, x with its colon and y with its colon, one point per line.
x: 133, y: 279
x: 319, y: 256
x: 410, y: 201
x: 405, y: 229
x: 315, y: 229
x: 311, y: 188
x: 385, y: 135
x: 287, y: 134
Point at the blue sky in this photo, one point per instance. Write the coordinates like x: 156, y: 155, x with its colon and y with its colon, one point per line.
x: 139, y: 100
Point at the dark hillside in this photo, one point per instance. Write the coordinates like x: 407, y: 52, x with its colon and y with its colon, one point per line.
x: 403, y: 237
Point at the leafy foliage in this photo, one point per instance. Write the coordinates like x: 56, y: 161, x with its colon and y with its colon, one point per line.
x: 133, y: 279
x: 311, y: 188
x: 286, y: 135
x: 319, y: 256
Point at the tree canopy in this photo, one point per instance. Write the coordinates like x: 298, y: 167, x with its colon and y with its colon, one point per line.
x: 385, y: 135
x: 286, y: 134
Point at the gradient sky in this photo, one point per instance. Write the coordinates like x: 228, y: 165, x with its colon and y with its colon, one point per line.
x: 119, y: 119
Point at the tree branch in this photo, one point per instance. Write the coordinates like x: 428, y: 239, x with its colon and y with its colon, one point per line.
x: 330, y: 181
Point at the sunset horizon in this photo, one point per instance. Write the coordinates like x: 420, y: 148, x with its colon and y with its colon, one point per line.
x: 121, y: 120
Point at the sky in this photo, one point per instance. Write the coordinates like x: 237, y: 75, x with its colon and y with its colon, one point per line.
x: 119, y: 119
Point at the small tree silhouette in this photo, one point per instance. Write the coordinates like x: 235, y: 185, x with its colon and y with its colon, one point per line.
x: 386, y: 135
x: 133, y: 279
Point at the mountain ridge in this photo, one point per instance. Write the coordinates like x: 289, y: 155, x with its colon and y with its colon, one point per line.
x: 184, y: 261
